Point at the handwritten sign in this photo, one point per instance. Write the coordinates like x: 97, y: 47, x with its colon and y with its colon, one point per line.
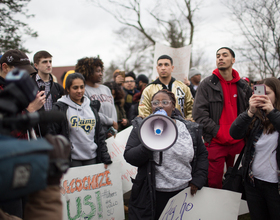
x: 91, y: 192
x: 181, y: 60
x: 116, y: 147
x: 207, y: 204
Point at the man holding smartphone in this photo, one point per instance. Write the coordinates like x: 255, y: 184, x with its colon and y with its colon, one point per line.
x: 219, y: 99
x: 43, y: 78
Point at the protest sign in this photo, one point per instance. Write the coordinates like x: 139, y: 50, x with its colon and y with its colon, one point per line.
x: 116, y: 147
x: 243, y: 209
x: 91, y: 192
x: 181, y: 60
x: 206, y: 204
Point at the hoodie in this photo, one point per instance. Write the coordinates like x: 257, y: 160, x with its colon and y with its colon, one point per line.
x: 229, y: 112
x: 81, y: 122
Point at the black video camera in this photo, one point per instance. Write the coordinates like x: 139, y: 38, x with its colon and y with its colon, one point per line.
x: 20, y: 90
x: 27, y: 166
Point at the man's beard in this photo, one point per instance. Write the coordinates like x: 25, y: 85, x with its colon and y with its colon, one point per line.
x: 223, y: 68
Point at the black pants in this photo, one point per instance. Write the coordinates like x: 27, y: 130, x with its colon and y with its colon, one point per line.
x: 263, y: 200
x: 161, y: 201
x: 78, y: 163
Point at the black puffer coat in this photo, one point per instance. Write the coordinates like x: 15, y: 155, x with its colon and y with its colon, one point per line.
x: 142, y: 200
x: 240, y: 129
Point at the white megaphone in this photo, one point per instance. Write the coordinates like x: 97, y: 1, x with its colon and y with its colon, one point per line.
x: 158, y: 132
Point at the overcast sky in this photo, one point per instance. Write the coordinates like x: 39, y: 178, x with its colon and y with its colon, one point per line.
x: 72, y: 29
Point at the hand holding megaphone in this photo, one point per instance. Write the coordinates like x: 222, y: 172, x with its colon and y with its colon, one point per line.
x: 158, y: 132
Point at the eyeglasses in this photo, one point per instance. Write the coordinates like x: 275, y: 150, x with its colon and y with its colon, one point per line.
x: 163, y: 102
x: 131, y: 81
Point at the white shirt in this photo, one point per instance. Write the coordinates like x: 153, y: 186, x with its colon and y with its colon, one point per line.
x: 265, y: 165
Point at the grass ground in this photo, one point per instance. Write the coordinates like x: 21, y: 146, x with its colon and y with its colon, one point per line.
x: 241, y: 217
x: 244, y: 217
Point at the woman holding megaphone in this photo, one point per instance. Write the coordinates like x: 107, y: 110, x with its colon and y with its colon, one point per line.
x: 163, y: 174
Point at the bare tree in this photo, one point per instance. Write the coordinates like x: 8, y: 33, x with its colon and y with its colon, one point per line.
x: 108, y: 74
x: 12, y: 29
x: 259, y: 22
x: 162, y: 22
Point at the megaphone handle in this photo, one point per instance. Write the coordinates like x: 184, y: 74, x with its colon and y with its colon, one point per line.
x: 160, y: 159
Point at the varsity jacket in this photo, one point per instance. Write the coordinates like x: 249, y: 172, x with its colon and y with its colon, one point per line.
x: 184, y: 99
x: 209, y: 100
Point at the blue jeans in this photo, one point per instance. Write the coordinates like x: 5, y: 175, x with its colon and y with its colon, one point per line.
x: 263, y: 200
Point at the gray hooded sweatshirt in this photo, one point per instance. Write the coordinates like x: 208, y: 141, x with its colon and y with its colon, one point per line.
x: 82, y: 122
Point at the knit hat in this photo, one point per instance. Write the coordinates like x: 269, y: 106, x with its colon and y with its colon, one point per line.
x: 193, y: 72
x: 118, y: 72
x: 142, y: 78
x: 17, y: 59
x: 65, y: 77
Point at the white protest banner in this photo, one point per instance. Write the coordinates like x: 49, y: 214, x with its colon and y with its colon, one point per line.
x: 91, y: 192
x: 206, y: 204
x: 243, y: 209
x: 116, y: 147
x: 181, y: 60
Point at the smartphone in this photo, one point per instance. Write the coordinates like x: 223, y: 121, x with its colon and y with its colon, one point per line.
x: 259, y: 89
x: 42, y: 88
x: 112, y: 130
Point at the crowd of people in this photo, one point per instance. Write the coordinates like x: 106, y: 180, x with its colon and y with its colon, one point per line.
x: 216, y: 118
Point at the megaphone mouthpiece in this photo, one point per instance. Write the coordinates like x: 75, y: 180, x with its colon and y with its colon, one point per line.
x: 158, y: 126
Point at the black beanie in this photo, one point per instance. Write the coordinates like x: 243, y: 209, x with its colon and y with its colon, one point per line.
x: 142, y: 78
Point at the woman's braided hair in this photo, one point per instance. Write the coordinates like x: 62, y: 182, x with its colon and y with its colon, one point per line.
x: 170, y: 94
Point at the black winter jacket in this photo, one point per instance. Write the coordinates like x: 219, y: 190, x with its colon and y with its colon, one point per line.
x: 56, y: 91
x: 240, y: 129
x: 99, y: 138
x: 142, y: 200
x: 208, y: 104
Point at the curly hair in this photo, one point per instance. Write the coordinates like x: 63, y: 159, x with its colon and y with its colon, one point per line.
x: 169, y: 93
x: 86, y: 66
